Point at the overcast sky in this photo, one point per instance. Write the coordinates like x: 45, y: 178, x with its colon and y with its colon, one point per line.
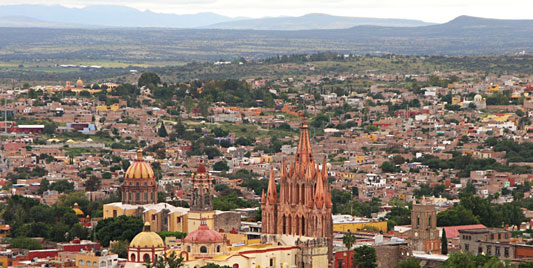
x: 427, y: 10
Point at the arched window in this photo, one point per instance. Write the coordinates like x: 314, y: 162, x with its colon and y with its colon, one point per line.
x: 132, y: 257
x: 203, y: 249
x: 236, y: 265
x: 136, y: 184
x: 95, y: 264
x: 81, y: 262
x: 218, y: 248
x: 188, y: 248
x: 146, y: 257
x: 102, y: 264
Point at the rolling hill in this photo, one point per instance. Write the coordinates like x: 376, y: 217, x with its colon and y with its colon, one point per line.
x: 312, y: 21
x: 461, y: 36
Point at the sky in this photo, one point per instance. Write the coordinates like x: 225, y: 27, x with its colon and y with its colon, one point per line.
x: 426, y: 10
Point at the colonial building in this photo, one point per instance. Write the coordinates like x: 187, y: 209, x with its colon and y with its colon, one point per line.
x: 145, y: 247
x: 139, y: 197
x: 139, y: 186
x: 303, y: 207
x: 202, y: 192
x: 424, y: 235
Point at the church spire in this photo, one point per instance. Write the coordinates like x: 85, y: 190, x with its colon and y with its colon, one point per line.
x: 319, y: 194
x: 304, y: 154
x: 272, y: 196
x: 263, y: 197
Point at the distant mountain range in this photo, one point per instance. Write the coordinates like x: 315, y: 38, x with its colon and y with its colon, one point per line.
x: 313, y: 21
x: 119, y: 16
x: 107, y: 16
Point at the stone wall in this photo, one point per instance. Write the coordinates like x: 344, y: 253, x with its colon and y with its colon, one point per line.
x: 227, y: 221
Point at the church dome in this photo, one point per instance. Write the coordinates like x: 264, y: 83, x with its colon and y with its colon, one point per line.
x: 79, y: 83
x: 204, y: 235
x: 147, y: 239
x: 77, y: 210
x: 139, y: 169
x: 201, y: 169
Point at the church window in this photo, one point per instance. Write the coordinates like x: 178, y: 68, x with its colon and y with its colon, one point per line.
x: 145, y: 196
x: 218, y: 248
x: 203, y: 249
x: 188, y: 248
x: 132, y: 257
x: 137, y: 196
x: 146, y: 257
x: 153, y: 199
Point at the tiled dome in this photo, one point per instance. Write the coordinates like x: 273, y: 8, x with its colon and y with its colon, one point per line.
x: 147, y: 239
x: 204, y: 235
x: 139, y: 169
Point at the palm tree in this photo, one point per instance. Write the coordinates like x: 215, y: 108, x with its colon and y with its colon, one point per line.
x: 348, y: 240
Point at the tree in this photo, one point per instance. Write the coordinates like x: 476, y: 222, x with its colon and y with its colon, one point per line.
x: 460, y: 259
x: 365, y: 257
x: 43, y: 187
x: 409, y: 263
x: 165, y: 261
x: 221, y: 166
x: 188, y: 103
x: 148, y: 79
x: 118, y: 228
x: 389, y: 167
x: 444, y: 243
x: 120, y: 248
x: 162, y: 132
x: 63, y: 186
x: 93, y: 184
x: 348, y: 240
x: 25, y: 243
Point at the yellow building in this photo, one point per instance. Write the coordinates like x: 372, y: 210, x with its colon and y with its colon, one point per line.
x: 493, y: 88
x: 90, y: 260
x: 105, y: 108
x: 256, y: 256
x: 158, y: 215
x: 456, y: 100
x: 194, y: 219
x: 4, y: 261
x: 347, y: 223
x: 372, y: 137
x: 499, y: 117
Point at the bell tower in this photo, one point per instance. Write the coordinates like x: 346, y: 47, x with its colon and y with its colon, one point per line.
x: 202, y: 189
x: 424, y: 235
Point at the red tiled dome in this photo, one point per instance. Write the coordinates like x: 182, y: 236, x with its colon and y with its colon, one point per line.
x: 201, y: 169
x: 203, y: 235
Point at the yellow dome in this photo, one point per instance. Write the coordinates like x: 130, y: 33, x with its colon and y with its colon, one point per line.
x: 147, y: 239
x: 77, y: 210
x: 139, y: 169
x: 79, y: 83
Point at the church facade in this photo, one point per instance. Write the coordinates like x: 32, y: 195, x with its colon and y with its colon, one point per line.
x: 303, y: 207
